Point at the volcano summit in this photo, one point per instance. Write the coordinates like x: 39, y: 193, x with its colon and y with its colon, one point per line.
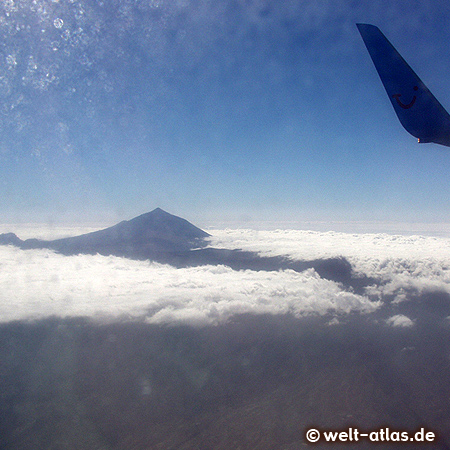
x: 144, y: 237
x: 162, y: 237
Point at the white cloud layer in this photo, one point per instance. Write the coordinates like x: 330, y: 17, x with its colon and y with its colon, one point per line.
x: 401, y: 263
x: 40, y: 283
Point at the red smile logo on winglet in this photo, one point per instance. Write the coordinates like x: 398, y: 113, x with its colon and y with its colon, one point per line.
x: 410, y: 104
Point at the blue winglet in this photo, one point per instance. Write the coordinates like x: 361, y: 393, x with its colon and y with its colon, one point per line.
x: 416, y: 107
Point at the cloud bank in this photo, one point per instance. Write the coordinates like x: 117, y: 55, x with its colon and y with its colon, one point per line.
x: 400, y: 263
x: 40, y: 283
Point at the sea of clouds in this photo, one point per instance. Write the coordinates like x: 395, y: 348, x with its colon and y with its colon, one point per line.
x: 40, y: 283
x: 399, y: 262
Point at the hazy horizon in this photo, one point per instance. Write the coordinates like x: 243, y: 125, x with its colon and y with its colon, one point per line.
x: 65, y: 228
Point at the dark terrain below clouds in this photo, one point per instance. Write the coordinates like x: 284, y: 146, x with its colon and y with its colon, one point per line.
x: 257, y: 382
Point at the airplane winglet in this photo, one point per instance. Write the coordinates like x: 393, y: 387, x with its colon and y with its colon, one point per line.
x: 416, y: 107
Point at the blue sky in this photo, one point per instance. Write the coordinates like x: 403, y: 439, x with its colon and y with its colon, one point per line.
x: 215, y: 110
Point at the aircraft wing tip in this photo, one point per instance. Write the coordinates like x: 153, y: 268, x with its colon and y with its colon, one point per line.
x: 366, y: 26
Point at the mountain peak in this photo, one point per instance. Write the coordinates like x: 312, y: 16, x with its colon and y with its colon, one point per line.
x: 163, y: 225
x: 143, y: 237
x: 9, y: 238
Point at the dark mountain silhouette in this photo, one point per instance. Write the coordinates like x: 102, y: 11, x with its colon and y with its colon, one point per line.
x: 165, y: 238
x: 143, y: 237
